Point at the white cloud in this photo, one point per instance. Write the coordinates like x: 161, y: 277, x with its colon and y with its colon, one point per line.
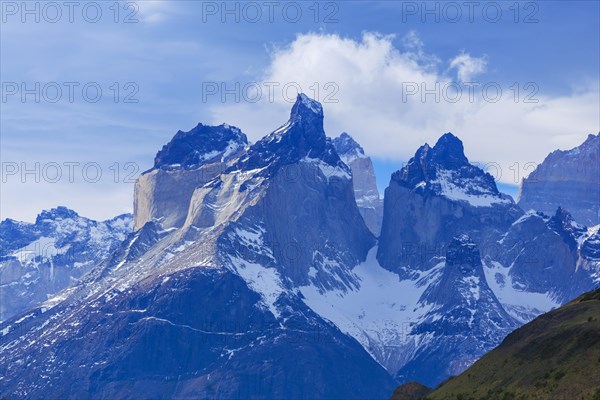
x: 153, y: 11
x: 413, y: 41
x: 468, y: 67
x: 374, y: 106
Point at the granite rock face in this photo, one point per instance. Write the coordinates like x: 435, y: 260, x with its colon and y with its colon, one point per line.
x: 435, y: 197
x: 569, y: 179
x: 188, y: 161
x: 154, y: 199
x: 363, y: 180
x: 303, y: 210
x: 38, y: 260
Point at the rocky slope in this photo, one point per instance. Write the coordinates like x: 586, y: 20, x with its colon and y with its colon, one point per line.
x: 363, y: 180
x: 553, y: 357
x: 40, y: 259
x: 547, y: 255
x: 568, y: 179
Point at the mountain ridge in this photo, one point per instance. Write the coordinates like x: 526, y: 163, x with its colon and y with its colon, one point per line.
x: 568, y: 179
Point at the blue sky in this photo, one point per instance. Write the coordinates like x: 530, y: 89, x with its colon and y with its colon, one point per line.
x: 359, y: 55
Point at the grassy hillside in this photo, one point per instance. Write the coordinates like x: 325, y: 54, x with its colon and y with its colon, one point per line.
x: 556, y: 356
x: 410, y: 391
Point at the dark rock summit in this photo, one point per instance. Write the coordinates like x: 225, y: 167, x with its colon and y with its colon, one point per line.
x: 301, y: 138
x: 202, y: 145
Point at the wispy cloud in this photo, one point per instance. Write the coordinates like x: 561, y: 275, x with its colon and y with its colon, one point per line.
x: 155, y: 11
x: 468, y: 67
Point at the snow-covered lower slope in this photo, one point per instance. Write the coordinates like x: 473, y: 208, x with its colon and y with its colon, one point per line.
x: 521, y: 304
x: 402, y: 320
x: 379, y: 313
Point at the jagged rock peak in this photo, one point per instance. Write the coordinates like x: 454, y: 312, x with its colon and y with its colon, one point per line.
x: 463, y: 270
x: 307, y: 114
x: 563, y: 218
x: 449, y: 152
x: 445, y: 170
x: 363, y: 180
x: 201, y: 145
x: 591, y: 146
x: 305, y: 106
x: 301, y: 138
x: 347, y: 148
x: 60, y: 212
x: 563, y: 223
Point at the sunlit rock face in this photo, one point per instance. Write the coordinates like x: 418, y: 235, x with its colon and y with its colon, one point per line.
x: 363, y: 180
x: 188, y: 161
x: 569, y: 179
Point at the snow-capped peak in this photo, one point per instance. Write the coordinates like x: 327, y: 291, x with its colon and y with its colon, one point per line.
x: 449, y: 151
x: 201, y: 145
x: 445, y: 170
x: 302, y: 137
x: 347, y: 148
x: 60, y: 212
x: 309, y: 103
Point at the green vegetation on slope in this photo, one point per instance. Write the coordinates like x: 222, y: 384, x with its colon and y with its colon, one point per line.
x: 410, y: 391
x: 556, y: 356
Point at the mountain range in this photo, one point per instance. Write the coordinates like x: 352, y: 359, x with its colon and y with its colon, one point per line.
x: 274, y: 270
x: 38, y: 260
